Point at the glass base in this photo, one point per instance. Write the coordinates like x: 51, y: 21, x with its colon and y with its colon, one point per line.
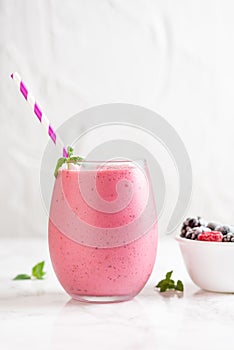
x: 96, y: 299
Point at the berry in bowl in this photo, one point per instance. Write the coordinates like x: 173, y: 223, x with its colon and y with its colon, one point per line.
x: 208, y: 252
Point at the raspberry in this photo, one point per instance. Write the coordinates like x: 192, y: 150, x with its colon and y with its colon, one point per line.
x: 212, y: 236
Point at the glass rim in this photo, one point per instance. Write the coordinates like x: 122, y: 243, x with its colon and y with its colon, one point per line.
x: 118, y: 161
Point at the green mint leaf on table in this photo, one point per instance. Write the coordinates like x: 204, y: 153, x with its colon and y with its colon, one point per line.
x: 163, y: 288
x: 22, y: 277
x: 168, y: 283
x: 37, y: 270
x: 179, y: 286
x: 70, y: 159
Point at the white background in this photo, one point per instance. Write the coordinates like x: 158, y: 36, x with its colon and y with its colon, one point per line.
x: 174, y: 57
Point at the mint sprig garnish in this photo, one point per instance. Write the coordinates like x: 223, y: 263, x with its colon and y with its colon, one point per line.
x: 37, y: 273
x: 168, y: 283
x: 69, y: 159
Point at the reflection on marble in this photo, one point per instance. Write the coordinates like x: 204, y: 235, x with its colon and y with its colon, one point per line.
x: 40, y: 312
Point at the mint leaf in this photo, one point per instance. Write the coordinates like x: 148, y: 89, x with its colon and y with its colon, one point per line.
x: 37, y: 270
x: 70, y: 151
x: 70, y: 159
x: 22, y: 277
x: 163, y: 288
x: 168, y: 275
x: 60, y: 162
x: 75, y: 159
x: 160, y: 284
x: 179, y: 286
x: 167, y: 284
x: 171, y: 284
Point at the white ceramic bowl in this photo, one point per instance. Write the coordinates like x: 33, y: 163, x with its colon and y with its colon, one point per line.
x: 209, y: 264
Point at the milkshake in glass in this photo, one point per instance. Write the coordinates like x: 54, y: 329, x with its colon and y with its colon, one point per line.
x: 103, y: 230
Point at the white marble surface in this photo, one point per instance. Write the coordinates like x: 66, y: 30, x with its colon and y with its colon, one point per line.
x: 39, y: 314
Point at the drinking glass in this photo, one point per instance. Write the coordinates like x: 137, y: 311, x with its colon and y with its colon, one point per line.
x: 103, y: 229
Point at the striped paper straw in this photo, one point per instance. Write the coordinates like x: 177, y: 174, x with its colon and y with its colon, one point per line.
x: 39, y: 113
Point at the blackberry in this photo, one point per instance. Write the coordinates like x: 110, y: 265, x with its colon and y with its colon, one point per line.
x: 191, y: 222
x: 184, y: 230
x: 194, y: 222
x: 189, y: 234
x: 185, y: 227
x: 229, y: 237
x: 224, y: 229
x: 212, y: 225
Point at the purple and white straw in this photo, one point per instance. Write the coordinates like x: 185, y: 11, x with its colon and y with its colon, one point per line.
x: 39, y: 113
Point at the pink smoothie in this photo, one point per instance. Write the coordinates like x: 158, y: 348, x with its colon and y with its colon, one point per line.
x: 100, y: 242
